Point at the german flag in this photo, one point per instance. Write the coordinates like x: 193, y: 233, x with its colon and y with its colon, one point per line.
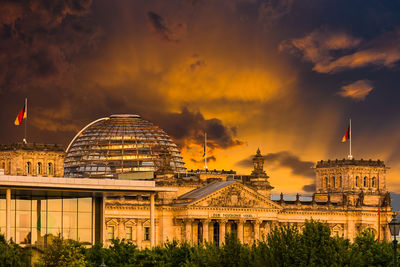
x: 346, y: 135
x: 21, y: 116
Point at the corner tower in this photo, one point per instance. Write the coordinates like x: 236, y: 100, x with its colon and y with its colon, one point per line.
x: 258, y: 177
x: 362, y: 181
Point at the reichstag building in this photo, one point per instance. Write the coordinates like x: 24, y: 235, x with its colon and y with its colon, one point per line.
x: 123, y: 177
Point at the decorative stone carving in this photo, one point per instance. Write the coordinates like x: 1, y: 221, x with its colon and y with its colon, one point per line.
x: 233, y: 197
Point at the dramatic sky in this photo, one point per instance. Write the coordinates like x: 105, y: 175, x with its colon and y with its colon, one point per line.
x: 280, y: 75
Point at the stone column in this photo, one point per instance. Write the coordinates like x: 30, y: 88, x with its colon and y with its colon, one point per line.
x: 8, y: 214
x: 222, y: 226
x: 188, y: 230
x: 121, y: 230
x: 256, y: 229
x: 139, y: 232
x: 351, y: 230
x: 240, y: 230
x: 206, y: 233
x: 152, y: 221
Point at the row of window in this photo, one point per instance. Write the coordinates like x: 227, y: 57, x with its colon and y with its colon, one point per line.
x: 39, y: 168
x: 366, y: 182
x: 128, y: 233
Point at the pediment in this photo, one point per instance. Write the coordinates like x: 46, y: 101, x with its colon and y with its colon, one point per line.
x: 235, y: 195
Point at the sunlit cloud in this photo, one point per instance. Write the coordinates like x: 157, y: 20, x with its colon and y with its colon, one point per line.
x: 357, y: 90
x: 333, y: 51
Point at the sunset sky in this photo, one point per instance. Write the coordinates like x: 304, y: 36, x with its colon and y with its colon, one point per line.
x: 284, y: 76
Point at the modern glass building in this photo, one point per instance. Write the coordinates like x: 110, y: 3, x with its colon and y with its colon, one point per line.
x: 35, y: 209
x: 120, y: 144
x: 37, y: 217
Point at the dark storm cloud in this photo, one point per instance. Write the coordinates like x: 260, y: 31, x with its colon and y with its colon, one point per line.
x: 309, y: 188
x: 168, y: 31
x: 189, y: 127
x: 283, y: 159
x: 209, y: 159
x: 39, y: 40
x: 272, y: 10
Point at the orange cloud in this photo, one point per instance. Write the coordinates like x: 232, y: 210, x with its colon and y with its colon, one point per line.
x: 318, y: 47
x: 357, y: 90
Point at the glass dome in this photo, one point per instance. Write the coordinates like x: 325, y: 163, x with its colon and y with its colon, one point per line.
x: 120, y: 144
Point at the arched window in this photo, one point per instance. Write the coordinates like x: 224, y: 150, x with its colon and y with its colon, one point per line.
x: 28, y: 168
x: 373, y: 181
x: 340, y: 182
x: 39, y: 168
x: 49, y: 168
x: 365, y: 181
x: 357, y: 181
x: 333, y: 185
x: 326, y: 182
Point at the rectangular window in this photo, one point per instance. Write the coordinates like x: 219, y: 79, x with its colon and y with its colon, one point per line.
x: 128, y: 233
x: 110, y: 232
x: 147, y: 233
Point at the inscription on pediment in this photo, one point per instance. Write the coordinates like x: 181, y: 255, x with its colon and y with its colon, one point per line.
x: 233, y: 197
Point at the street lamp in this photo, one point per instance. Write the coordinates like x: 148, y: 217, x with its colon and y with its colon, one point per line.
x: 394, y: 227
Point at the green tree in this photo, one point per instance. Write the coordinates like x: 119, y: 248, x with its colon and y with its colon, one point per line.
x: 319, y: 248
x: 370, y: 252
x: 63, y: 252
x: 12, y: 255
x: 280, y: 248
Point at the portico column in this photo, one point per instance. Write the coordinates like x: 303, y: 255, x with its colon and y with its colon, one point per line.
x: 240, y: 225
x: 152, y: 221
x: 139, y: 233
x: 257, y: 230
x: 8, y: 214
x: 188, y: 230
x: 206, y: 234
x: 222, y: 226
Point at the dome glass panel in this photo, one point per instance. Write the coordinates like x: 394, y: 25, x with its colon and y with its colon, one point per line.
x: 120, y: 144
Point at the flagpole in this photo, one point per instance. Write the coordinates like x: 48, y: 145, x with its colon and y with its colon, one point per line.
x: 350, y: 156
x: 26, y: 119
x: 205, y: 151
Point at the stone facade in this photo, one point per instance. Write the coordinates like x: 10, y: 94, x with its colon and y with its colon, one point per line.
x: 206, y: 205
x: 32, y: 160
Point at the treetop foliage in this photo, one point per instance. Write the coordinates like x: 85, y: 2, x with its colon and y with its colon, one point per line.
x: 285, y: 246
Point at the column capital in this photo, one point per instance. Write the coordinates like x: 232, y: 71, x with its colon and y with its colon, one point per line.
x: 223, y: 221
x: 258, y: 221
x: 188, y: 220
x: 205, y: 220
x: 240, y: 221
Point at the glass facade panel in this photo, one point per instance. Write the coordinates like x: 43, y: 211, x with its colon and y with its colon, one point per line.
x: 70, y: 233
x: 54, y: 219
x: 84, y: 220
x: 70, y: 220
x: 35, y: 220
x: 85, y: 235
x: 85, y: 204
x: 70, y: 204
x: 2, y: 221
x: 54, y: 204
x: 23, y: 235
x: 23, y: 219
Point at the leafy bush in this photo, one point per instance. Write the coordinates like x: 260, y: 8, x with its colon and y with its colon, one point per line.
x: 284, y: 246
